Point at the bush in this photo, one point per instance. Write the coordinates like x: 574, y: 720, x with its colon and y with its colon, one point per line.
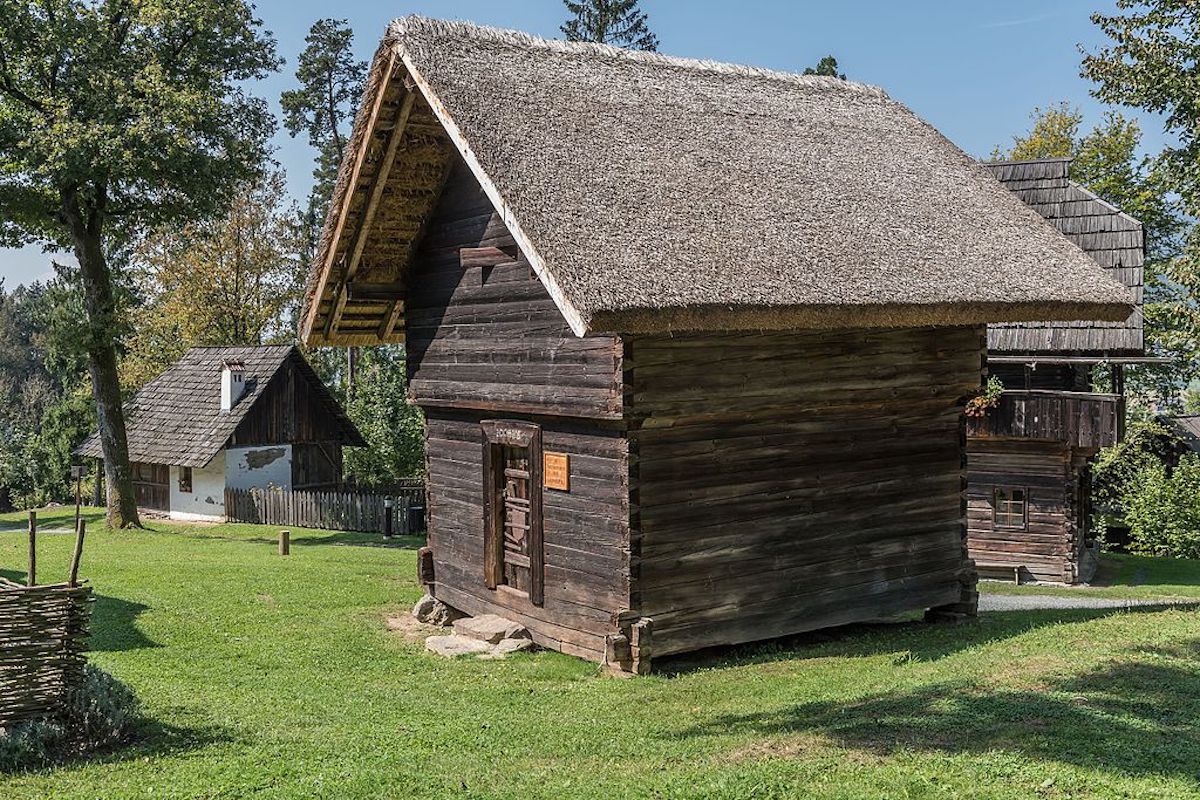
x: 99, y: 714
x: 1162, y: 509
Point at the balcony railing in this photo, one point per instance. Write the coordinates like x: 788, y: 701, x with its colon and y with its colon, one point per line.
x: 1078, y: 419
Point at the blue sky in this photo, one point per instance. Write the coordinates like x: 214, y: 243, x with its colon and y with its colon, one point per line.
x: 973, y: 69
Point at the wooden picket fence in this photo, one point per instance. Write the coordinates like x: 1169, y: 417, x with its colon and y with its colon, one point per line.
x: 43, y: 647
x: 330, y: 510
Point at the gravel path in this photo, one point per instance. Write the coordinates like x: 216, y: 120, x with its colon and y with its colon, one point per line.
x: 1029, y: 602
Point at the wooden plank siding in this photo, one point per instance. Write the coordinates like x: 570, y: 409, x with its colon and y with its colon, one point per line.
x: 485, y: 341
x: 585, y: 530
x: 794, y: 481
x: 489, y: 337
x: 1049, y: 547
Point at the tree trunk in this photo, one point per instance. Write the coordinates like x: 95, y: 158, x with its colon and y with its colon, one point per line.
x: 86, y: 226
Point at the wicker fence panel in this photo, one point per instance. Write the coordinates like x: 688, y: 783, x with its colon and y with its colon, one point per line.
x: 43, y: 647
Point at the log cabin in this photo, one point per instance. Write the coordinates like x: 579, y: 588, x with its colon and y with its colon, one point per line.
x: 231, y: 418
x: 1029, y: 457
x: 692, y: 340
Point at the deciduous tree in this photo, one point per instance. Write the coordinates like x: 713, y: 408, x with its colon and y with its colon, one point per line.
x: 118, y: 116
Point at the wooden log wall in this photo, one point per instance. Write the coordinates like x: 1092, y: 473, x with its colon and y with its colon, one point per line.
x: 293, y: 408
x: 585, y: 530
x: 795, y: 481
x: 483, y: 333
x: 1049, y: 548
x: 43, y: 648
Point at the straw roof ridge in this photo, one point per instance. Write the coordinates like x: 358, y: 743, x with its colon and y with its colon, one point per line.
x: 414, y: 33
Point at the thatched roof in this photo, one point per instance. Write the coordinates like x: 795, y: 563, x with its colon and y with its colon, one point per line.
x: 652, y: 193
x: 177, y: 418
x: 1112, y: 238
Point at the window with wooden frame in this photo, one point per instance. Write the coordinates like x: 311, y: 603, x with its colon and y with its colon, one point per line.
x: 185, y: 480
x: 1011, y: 507
x: 512, y: 502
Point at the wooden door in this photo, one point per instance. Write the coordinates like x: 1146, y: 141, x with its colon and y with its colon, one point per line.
x: 512, y: 478
x: 516, y: 500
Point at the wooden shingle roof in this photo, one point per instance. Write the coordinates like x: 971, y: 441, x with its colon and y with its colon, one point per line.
x: 177, y: 418
x: 1112, y: 238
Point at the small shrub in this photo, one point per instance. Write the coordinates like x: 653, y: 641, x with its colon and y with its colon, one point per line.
x: 989, y: 398
x: 1163, y: 509
x: 99, y: 714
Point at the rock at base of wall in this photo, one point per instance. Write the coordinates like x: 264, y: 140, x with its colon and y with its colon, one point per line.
x: 432, y: 611
x: 490, y: 628
x: 453, y: 646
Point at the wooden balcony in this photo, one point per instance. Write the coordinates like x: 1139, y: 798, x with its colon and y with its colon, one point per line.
x: 1077, y: 419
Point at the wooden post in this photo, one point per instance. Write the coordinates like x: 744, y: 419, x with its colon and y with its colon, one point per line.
x: 285, y: 543
x: 98, y: 486
x: 77, y: 473
x: 32, y: 578
x: 73, y: 581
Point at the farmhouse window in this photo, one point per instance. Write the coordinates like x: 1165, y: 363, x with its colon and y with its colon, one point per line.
x: 1011, y: 508
x: 512, y: 492
x: 185, y: 479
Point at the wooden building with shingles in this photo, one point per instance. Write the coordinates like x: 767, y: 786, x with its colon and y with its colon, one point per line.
x: 1029, y: 457
x: 692, y: 340
x: 236, y: 418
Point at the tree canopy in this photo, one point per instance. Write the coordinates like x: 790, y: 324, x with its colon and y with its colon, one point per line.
x: 827, y: 66
x: 322, y: 108
x: 617, y: 22
x: 118, y: 117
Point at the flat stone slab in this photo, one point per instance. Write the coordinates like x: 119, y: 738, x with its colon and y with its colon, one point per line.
x: 490, y: 628
x: 453, y: 646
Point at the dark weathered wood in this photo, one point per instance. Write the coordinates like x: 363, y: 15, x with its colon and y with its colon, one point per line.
x: 31, y: 575
x: 1083, y: 420
x: 285, y: 543
x: 77, y: 553
x: 810, y: 479
x: 1050, y: 545
x: 483, y: 333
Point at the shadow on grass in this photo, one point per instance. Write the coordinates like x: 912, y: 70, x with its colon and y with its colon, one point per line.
x: 55, y: 518
x: 1136, y: 570
x: 346, y: 539
x: 114, y: 621
x: 911, y: 640
x: 149, y: 739
x: 1123, y: 717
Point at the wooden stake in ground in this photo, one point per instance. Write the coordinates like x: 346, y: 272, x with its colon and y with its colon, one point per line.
x: 73, y: 581
x: 285, y: 543
x: 77, y: 474
x: 32, y: 575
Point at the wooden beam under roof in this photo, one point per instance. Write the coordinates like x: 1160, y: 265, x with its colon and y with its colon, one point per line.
x: 395, y: 136
x: 348, y: 198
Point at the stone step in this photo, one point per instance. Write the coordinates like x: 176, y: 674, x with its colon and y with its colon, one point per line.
x: 454, y: 645
x: 490, y: 628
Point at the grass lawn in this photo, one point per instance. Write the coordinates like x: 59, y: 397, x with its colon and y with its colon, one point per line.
x: 1122, y: 576
x: 264, y: 676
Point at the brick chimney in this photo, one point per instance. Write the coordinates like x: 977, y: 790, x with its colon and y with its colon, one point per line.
x: 233, y: 383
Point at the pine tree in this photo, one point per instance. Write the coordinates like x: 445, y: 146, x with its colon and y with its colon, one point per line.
x: 827, y: 66
x: 617, y: 22
x: 331, y: 81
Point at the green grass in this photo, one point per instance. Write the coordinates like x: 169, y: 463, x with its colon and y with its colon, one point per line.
x: 270, y: 677
x: 1119, y: 575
